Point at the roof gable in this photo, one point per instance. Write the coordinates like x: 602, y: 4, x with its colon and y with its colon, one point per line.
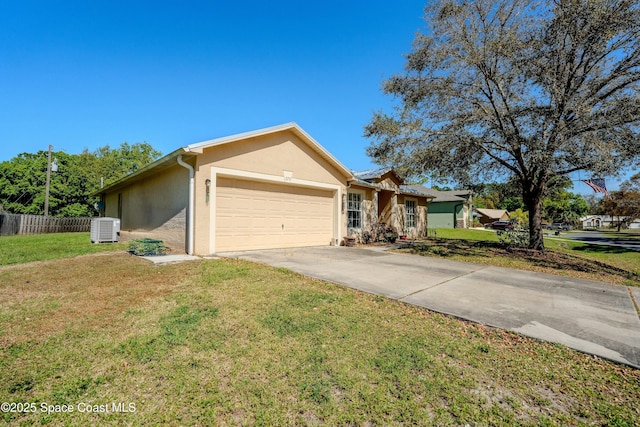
x: 291, y: 126
x: 443, y: 196
x: 377, y: 175
x: 492, y: 213
x: 388, y: 179
x: 196, y: 149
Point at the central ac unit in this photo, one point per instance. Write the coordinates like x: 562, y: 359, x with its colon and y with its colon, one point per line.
x: 105, y: 230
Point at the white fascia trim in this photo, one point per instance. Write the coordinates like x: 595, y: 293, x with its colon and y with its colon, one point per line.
x: 239, y: 136
x: 280, y: 179
x: 324, y: 151
x: 276, y: 179
x: 200, y: 146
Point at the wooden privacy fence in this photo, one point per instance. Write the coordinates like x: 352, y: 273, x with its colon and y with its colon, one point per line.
x: 11, y: 224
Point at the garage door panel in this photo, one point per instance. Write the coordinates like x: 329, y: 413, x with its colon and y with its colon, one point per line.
x: 258, y: 215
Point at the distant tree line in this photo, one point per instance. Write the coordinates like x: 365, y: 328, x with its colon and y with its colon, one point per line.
x: 622, y: 205
x: 23, y: 178
x: 560, y: 204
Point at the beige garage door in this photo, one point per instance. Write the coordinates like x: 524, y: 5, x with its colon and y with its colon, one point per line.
x: 258, y: 215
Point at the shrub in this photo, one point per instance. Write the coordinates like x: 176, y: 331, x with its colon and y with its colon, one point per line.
x: 520, y: 219
x: 146, y: 246
x: 517, y: 238
x: 390, y: 235
x: 379, y: 232
x: 439, y: 250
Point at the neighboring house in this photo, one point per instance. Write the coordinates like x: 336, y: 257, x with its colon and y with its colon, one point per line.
x: 449, y: 209
x: 381, y: 196
x: 487, y: 216
x: 606, y: 221
x: 269, y: 188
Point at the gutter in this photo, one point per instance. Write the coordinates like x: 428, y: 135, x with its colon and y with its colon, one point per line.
x: 190, y: 209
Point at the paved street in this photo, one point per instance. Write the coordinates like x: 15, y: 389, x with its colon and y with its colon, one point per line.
x: 589, y: 316
x: 631, y: 242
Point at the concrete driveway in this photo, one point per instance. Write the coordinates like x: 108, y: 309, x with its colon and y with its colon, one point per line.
x: 589, y: 316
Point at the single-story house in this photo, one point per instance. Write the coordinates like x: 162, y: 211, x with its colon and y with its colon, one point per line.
x: 270, y: 188
x: 606, y: 221
x: 449, y: 209
x: 487, y: 216
x: 381, y: 196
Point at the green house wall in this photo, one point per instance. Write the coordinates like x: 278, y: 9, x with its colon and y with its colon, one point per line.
x: 440, y: 214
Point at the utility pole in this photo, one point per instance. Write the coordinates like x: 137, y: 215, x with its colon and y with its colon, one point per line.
x: 46, y: 193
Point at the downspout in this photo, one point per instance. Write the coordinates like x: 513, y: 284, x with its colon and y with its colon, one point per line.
x: 192, y: 198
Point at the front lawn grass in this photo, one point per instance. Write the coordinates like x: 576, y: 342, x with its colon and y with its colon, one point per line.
x: 227, y: 342
x: 609, y: 257
x: 565, y: 257
x: 20, y: 249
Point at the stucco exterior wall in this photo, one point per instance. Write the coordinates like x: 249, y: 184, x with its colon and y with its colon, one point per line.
x: 388, y: 182
x: 274, y: 155
x: 388, y: 207
x: 465, y: 219
x: 271, y: 154
x: 369, y: 208
x: 111, y: 205
x: 156, y: 203
x: 423, y: 218
x: 385, y: 207
x: 420, y: 230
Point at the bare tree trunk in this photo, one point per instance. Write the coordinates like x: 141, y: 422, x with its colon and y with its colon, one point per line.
x: 532, y: 195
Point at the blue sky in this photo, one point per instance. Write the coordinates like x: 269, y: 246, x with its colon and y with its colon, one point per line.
x: 78, y: 74
x: 90, y: 73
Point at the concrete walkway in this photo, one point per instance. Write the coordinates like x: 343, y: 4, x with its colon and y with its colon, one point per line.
x: 170, y: 259
x: 589, y: 316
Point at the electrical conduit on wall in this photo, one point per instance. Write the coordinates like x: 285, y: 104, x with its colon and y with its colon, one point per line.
x: 190, y: 218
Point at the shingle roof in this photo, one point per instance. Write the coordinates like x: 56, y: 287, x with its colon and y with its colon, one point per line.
x: 366, y: 178
x: 442, y: 196
x: 492, y: 213
x: 411, y: 190
x: 374, y: 173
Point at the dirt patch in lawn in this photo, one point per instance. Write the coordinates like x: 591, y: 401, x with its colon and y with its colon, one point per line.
x: 62, y: 293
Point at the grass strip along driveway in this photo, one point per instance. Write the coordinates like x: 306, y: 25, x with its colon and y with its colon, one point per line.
x: 563, y: 257
x: 228, y: 342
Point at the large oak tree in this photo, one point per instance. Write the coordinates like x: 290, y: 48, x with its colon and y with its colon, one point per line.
x: 528, y: 90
